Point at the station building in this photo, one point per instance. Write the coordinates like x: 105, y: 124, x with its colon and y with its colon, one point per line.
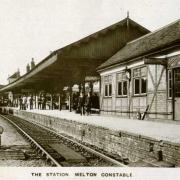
x: 142, y: 79
x: 14, y: 77
x: 137, y: 71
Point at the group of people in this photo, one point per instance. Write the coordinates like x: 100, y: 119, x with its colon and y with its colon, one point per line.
x: 42, y: 102
x: 83, y: 104
x: 25, y: 102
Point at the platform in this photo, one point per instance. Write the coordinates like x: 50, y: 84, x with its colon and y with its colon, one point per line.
x: 157, y: 130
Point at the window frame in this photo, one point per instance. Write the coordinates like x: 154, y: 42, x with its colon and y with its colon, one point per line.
x: 107, y: 84
x: 122, y: 84
x: 168, y: 82
x: 139, y: 77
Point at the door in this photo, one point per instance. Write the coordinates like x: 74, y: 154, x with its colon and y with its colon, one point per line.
x: 177, y: 94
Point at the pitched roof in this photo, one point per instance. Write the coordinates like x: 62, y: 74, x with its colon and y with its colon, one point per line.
x: 53, y: 63
x: 148, y: 43
x: 105, y: 30
x: 1, y: 86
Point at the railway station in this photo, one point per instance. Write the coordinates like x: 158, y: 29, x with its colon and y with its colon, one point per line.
x: 101, y: 101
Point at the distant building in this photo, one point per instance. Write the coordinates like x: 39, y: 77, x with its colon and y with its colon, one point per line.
x: 14, y: 77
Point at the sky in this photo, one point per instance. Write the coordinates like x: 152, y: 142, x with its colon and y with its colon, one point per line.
x: 32, y: 28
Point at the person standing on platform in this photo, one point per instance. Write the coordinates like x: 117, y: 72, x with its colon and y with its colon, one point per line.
x: 44, y: 102
x: 9, y: 103
x: 75, y: 101
x: 96, y: 101
x: 20, y: 103
x: 31, y: 102
x: 81, y: 103
x: 24, y: 102
x: 39, y: 102
x: 28, y: 102
x: 88, y: 104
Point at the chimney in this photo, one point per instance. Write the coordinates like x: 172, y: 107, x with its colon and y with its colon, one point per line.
x: 27, y: 68
x: 32, y: 63
x: 18, y: 73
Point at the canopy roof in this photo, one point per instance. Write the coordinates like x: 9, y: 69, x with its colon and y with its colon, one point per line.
x: 165, y: 38
x: 71, y: 64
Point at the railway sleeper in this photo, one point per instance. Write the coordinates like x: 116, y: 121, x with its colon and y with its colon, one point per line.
x: 57, y: 156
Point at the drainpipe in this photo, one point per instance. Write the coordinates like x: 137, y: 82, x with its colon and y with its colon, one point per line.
x: 128, y: 76
x: 173, y: 94
x: 129, y: 98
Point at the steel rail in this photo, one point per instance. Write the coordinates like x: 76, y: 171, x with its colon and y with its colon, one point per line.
x: 89, y: 149
x: 111, y: 160
x: 48, y: 156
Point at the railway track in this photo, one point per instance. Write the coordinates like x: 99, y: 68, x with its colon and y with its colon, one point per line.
x: 60, y: 150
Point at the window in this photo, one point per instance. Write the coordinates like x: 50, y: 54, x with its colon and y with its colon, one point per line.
x: 140, y: 80
x: 121, y: 84
x: 176, y: 82
x: 106, y: 90
x: 169, y: 83
x: 108, y: 86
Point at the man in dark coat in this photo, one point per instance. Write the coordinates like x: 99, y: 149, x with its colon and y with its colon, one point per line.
x: 40, y: 102
x: 21, y: 103
x: 81, y: 103
x: 31, y: 102
x: 88, y: 104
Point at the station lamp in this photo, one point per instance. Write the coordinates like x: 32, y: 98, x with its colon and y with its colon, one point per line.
x: 128, y: 73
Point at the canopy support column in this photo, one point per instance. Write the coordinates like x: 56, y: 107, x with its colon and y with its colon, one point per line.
x: 70, y: 98
x: 35, y: 102
x: 51, y: 107
x: 91, y: 88
x: 84, y: 89
x: 59, y: 101
x: 80, y: 88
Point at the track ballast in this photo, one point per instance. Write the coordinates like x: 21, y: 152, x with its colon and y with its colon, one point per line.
x: 50, y: 145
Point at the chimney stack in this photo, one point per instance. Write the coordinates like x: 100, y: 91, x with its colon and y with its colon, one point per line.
x: 18, y: 73
x: 27, y: 68
x: 32, y: 63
